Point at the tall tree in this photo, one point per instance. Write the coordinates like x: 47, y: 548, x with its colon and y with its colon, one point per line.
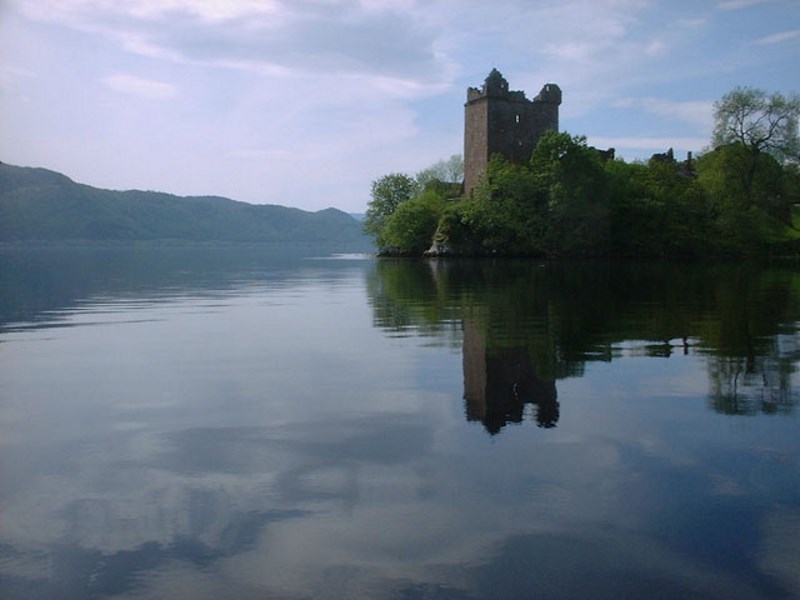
x: 759, y: 122
x: 388, y: 192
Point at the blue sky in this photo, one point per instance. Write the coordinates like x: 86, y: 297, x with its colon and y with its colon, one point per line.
x: 305, y: 102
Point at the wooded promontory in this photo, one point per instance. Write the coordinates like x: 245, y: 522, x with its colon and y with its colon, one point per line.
x: 567, y: 199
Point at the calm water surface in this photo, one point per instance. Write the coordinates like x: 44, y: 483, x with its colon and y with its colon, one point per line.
x: 218, y: 423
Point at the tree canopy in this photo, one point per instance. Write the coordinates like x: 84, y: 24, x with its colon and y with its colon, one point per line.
x: 756, y: 123
x: 404, y: 211
x: 388, y: 192
x: 759, y: 121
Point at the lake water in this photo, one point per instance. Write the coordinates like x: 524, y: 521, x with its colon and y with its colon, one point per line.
x: 220, y: 423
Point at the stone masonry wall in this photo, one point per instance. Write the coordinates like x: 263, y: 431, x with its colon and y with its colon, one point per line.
x: 497, y: 120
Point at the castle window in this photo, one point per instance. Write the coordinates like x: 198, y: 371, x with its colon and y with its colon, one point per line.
x: 516, y: 118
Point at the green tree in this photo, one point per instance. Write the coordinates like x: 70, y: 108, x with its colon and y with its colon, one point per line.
x: 675, y: 219
x: 743, y: 221
x: 388, y: 192
x: 410, y: 229
x: 576, y: 193
x: 501, y: 216
x: 634, y: 222
x: 791, y: 179
x: 450, y: 171
x: 556, y: 205
x: 760, y: 123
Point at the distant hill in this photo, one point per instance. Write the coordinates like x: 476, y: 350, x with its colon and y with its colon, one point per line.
x: 42, y: 205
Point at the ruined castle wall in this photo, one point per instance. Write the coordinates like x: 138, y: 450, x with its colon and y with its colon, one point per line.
x: 505, y: 122
x: 476, y: 141
x: 512, y: 129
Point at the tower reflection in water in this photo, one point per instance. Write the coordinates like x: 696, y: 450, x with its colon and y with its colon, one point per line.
x: 498, y: 386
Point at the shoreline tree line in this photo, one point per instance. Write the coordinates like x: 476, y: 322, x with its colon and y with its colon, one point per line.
x: 570, y: 200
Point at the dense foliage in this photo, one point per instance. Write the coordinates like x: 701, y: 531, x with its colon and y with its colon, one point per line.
x: 41, y: 205
x: 570, y: 200
x: 388, y: 193
x: 404, y: 213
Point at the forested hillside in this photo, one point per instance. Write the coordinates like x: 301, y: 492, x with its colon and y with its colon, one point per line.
x: 42, y: 205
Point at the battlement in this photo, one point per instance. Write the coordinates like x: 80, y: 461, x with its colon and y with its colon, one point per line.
x: 499, y: 120
x: 550, y: 93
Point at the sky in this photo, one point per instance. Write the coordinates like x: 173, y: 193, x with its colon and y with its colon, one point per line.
x: 305, y: 102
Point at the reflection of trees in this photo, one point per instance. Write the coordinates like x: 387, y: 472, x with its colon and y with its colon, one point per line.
x: 752, y: 341
x: 407, y: 296
x: 740, y: 386
x: 537, y: 323
x: 755, y: 375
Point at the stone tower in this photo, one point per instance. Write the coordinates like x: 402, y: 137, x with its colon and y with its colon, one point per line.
x: 497, y: 120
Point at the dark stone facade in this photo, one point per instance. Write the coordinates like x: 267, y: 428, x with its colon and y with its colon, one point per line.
x: 497, y: 120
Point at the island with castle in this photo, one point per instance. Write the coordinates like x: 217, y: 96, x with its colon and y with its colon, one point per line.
x: 529, y: 189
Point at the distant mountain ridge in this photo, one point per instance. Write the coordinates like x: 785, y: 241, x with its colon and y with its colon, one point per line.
x: 41, y: 205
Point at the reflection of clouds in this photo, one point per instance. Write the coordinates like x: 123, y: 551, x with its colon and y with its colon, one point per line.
x: 181, y: 581
x: 296, y: 510
x: 194, y: 481
x: 723, y: 485
x: 395, y: 535
x: 324, y: 509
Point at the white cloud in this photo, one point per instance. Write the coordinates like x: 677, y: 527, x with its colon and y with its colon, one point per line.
x: 13, y: 80
x: 697, y: 112
x: 339, y: 36
x: 143, y: 88
x: 211, y: 10
x: 739, y: 4
x: 694, y: 22
x: 10, y: 73
x: 656, y: 48
x: 586, y: 30
x: 777, y: 38
x: 633, y: 147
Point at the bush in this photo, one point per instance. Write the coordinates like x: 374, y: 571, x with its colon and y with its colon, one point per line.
x: 410, y: 228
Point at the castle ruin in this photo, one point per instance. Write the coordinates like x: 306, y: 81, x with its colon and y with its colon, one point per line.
x: 497, y: 120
